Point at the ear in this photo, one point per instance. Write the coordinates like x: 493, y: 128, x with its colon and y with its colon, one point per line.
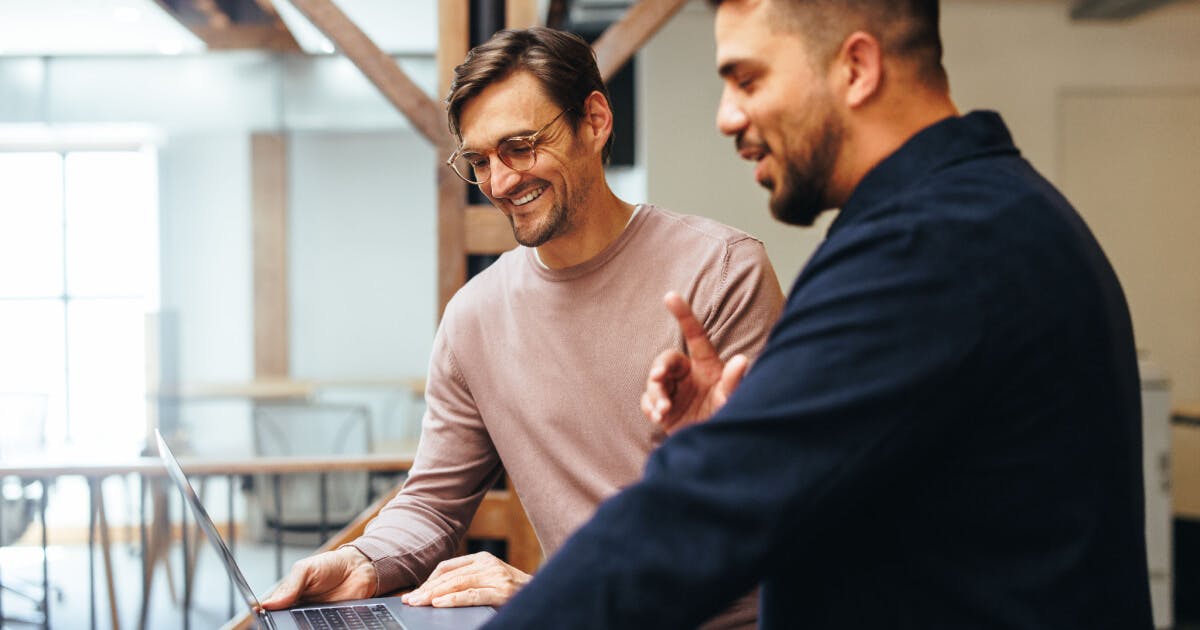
x: 857, y: 71
x: 597, y: 122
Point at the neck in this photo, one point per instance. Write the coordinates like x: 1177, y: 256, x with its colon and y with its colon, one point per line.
x: 599, y: 221
x: 875, y: 135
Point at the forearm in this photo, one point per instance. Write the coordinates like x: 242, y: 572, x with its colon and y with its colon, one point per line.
x: 456, y: 464
x: 419, y: 528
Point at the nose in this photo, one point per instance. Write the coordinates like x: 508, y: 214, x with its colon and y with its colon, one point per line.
x: 503, y: 178
x: 731, y: 120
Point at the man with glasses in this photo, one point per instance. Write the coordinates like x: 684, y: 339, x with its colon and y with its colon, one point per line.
x: 540, y: 360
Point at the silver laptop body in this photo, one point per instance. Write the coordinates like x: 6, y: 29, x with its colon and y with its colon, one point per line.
x: 363, y: 613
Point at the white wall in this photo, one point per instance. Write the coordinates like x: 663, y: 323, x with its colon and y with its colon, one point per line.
x: 207, y: 279
x: 1019, y: 57
x: 363, y: 254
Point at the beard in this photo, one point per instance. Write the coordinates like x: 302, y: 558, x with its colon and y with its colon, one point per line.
x: 554, y: 224
x: 802, y: 194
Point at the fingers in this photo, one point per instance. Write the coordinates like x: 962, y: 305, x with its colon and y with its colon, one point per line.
x: 330, y: 576
x: 447, y: 566
x: 731, y: 376
x: 694, y: 335
x: 472, y: 597
x: 288, y: 591
x: 666, y: 370
x: 477, y: 580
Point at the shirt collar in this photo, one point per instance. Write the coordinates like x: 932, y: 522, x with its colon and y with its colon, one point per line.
x: 935, y: 147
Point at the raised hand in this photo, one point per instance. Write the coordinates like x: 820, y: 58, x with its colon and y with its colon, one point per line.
x: 479, y: 579
x: 332, y: 576
x: 682, y: 389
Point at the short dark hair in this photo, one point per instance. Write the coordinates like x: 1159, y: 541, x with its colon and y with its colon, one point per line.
x: 563, y: 63
x: 905, y: 29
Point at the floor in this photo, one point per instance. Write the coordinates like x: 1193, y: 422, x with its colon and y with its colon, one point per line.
x: 213, y: 600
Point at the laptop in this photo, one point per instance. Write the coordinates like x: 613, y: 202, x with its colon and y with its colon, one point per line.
x: 378, y: 612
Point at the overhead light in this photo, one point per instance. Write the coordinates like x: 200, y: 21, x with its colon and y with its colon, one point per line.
x: 127, y: 14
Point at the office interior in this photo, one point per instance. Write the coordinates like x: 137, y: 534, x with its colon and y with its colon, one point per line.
x: 221, y: 227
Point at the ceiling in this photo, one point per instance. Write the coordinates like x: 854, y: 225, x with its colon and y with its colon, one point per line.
x: 157, y: 27
x: 399, y: 27
x: 88, y: 27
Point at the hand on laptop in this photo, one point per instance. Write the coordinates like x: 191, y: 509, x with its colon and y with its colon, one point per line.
x: 332, y: 576
x: 686, y: 388
x: 479, y: 579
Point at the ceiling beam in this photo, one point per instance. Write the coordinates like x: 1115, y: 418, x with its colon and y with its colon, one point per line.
x: 621, y: 40
x: 1113, y: 9
x: 425, y: 115
x: 520, y: 14
x: 219, y: 32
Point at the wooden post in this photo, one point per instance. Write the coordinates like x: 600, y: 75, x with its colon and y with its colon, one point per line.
x: 268, y: 164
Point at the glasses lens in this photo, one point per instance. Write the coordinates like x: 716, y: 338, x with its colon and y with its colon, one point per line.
x: 472, y: 167
x: 517, y: 154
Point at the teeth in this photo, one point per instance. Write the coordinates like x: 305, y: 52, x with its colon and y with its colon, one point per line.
x: 524, y: 199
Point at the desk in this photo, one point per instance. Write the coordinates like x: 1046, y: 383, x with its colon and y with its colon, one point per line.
x: 155, y: 542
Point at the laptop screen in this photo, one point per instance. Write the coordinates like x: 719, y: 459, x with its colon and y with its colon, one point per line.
x: 210, y: 529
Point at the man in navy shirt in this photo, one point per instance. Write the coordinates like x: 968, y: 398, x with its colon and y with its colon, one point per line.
x: 943, y: 430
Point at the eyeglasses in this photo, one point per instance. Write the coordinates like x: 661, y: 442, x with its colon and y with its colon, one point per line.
x: 518, y: 153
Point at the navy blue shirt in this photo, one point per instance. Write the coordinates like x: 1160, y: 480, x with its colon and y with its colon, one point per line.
x: 943, y: 431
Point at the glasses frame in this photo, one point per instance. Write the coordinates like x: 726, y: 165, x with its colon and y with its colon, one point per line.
x: 532, y: 139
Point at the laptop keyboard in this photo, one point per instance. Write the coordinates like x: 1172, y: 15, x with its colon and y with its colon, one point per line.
x: 373, y: 617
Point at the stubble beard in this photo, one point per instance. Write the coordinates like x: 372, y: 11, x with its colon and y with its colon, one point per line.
x: 802, y: 194
x: 557, y: 222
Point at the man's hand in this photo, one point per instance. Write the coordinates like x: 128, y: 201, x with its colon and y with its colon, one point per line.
x: 479, y: 579
x: 332, y: 576
x: 686, y: 388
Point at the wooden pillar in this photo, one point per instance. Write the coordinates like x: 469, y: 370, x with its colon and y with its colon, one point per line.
x: 268, y: 166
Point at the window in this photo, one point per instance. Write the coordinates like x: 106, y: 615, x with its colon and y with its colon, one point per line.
x: 78, y: 273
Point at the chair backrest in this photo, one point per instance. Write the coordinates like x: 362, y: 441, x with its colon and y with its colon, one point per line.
x: 305, y: 429
x: 22, y: 436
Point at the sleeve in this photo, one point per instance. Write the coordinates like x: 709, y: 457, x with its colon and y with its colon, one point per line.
x: 845, y: 401
x: 746, y: 303
x: 455, y: 465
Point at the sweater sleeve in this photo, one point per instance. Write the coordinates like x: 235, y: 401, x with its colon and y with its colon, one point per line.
x: 455, y: 465
x: 747, y: 301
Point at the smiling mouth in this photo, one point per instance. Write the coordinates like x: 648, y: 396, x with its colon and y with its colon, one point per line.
x: 529, y: 196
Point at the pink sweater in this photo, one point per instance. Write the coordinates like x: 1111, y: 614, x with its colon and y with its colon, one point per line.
x: 543, y: 370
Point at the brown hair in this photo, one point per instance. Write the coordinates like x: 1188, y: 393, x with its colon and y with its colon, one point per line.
x: 563, y: 63
x: 906, y: 29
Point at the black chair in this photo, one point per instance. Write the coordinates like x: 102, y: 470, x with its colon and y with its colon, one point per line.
x: 298, y: 501
x: 22, y: 433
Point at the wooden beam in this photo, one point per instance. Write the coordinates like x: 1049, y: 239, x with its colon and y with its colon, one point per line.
x: 273, y: 37
x: 454, y: 25
x: 425, y: 115
x: 520, y: 13
x: 454, y: 40
x: 488, y: 231
x: 268, y: 168
x: 625, y: 36
x: 451, y: 229
x: 222, y: 34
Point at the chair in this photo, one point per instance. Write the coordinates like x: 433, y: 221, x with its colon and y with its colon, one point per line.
x: 306, y: 429
x: 22, y: 433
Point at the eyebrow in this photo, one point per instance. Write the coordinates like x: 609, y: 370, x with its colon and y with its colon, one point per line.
x: 520, y: 134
